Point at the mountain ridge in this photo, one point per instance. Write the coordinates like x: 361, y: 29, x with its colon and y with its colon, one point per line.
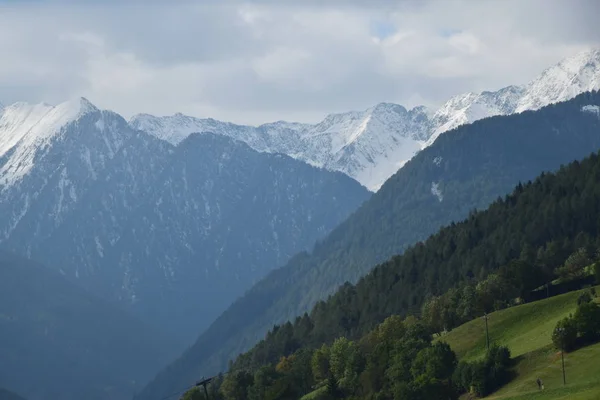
x: 371, y: 145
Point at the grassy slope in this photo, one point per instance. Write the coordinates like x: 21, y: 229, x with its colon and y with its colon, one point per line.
x: 582, y: 371
x: 527, y: 330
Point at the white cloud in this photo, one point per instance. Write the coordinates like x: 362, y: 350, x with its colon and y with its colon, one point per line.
x: 264, y: 60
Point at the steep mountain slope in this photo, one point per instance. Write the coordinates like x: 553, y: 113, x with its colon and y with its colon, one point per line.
x: 370, y: 146
x: 466, y: 168
x: 167, y: 231
x: 59, y: 342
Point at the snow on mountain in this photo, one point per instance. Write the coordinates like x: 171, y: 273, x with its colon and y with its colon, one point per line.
x: 25, y: 129
x: 591, y: 109
x: 371, y: 145
x: 50, y: 158
x: 563, y: 81
x: 356, y: 143
x: 470, y: 107
x: 571, y: 76
x: 176, y: 128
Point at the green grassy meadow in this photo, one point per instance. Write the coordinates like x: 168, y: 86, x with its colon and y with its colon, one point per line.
x: 527, y: 330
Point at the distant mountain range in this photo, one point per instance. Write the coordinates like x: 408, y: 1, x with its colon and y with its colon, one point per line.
x: 371, y: 145
x: 168, y: 231
x: 465, y: 169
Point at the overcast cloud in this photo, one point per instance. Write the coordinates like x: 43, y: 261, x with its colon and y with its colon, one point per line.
x: 258, y: 61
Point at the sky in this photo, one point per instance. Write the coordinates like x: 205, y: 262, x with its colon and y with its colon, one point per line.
x: 266, y: 60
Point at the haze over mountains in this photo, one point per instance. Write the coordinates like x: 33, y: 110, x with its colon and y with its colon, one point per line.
x: 174, y: 218
x: 371, y: 145
x: 166, y: 231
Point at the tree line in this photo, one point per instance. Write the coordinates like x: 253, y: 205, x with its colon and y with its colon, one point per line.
x: 395, y: 360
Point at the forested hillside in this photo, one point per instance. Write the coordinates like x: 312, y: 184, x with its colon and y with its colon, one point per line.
x: 59, y: 342
x: 526, y: 236
x: 465, y: 169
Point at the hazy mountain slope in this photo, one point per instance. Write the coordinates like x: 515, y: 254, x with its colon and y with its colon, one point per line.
x: 466, y: 168
x: 59, y: 342
x: 167, y: 231
x: 220, y: 217
x: 371, y: 145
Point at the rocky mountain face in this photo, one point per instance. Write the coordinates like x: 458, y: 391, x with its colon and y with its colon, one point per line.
x: 175, y: 233
x: 371, y: 145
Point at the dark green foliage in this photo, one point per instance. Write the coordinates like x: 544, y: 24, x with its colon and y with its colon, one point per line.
x: 320, y: 363
x: 59, y: 342
x: 483, y: 377
x: 194, y: 394
x: 471, y: 299
x: 582, y: 328
x: 498, y: 362
x: 574, y: 265
x: 236, y: 384
x: 597, y: 272
x: 535, y: 226
x: 463, y: 376
x: 263, y: 379
x: 395, y: 359
x: 585, y: 297
x: 564, y: 335
x: 587, y: 320
x: 437, y: 361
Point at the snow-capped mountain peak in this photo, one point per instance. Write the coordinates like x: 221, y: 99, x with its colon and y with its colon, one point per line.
x: 565, y: 80
x: 26, y: 128
x: 173, y: 128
